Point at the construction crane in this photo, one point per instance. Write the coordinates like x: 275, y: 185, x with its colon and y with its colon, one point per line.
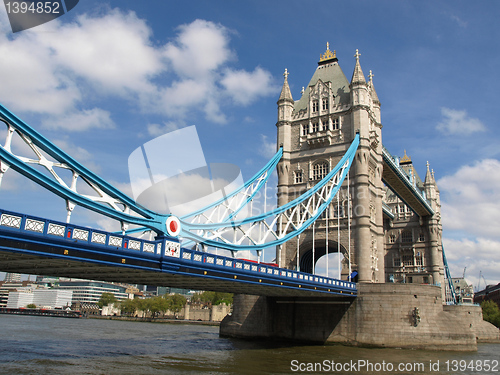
x: 479, y: 281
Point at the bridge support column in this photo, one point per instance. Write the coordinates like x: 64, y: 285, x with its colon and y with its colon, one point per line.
x: 361, y: 215
x: 383, y: 315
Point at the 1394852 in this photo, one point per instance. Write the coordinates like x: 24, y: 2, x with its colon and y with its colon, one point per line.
x: 39, y: 7
x: 486, y: 365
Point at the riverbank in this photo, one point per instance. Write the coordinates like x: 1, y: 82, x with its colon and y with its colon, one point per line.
x: 42, y: 312
x: 155, y: 320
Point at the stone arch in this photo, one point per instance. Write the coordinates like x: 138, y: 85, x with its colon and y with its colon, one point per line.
x: 306, y: 256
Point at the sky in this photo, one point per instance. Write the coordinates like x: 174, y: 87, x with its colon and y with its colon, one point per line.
x: 109, y: 76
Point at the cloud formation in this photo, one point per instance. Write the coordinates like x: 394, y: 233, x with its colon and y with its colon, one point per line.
x: 470, y: 208
x: 58, y: 68
x: 457, y: 122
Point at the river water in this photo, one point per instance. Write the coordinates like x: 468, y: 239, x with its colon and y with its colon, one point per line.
x: 43, y: 345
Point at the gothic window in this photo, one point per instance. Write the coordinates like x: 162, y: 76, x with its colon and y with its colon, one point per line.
x: 315, y: 127
x: 303, y: 130
x: 392, y: 238
x: 320, y: 170
x: 421, y: 237
x: 298, y: 177
x: 418, y: 259
x: 397, y: 260
x: 338, y: 211
x: 315, y: 104
x: 406, y: 236
x: 407, y: 259
x: 325, y: 104
x: 335, y: 123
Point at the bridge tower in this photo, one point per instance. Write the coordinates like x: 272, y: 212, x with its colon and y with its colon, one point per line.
x: 315, y: 132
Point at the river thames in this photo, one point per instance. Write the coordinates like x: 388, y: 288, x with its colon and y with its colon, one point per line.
x: 43, y: 345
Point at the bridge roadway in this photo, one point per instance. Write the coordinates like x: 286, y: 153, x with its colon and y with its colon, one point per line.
x: 37, y: 246
x: 398, y: 181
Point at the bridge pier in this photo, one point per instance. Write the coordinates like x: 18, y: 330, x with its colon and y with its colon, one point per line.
x: 383, y: 315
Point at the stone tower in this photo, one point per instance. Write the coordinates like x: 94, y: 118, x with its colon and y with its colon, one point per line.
x: 315, y: 132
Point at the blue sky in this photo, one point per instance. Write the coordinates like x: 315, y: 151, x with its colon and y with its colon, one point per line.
x: 112, y: 75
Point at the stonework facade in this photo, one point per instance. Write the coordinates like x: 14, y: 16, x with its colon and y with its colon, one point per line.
x: 387, y: 240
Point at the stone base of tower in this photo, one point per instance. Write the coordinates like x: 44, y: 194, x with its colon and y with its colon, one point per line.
x: 383, y: 315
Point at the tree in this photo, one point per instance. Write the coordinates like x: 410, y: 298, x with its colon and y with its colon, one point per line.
x: 215, y: 298
x: 106, y: 299
x: 157, y: 305
x: 175, y: 302
x: 491, y: 312
x: 31, y: 306
x: 129, y: 306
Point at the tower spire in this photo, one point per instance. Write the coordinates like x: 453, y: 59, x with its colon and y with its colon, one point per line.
x: 286, y: 94
x: 357, y: 76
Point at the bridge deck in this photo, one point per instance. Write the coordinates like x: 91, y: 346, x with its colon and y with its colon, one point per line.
x: 393, y: 177
x: 39, y: 246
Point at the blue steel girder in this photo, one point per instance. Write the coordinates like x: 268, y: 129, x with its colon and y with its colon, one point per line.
x: 269, y: 229
x: 34, y: 245
x: 395, y: 178
x: 109, y: 201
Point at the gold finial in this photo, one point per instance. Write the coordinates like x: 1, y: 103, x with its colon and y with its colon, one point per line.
x: 405, y: 159
x: 328, y: 55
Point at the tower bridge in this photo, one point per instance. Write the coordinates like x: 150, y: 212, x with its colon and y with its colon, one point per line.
x: 339, y: 190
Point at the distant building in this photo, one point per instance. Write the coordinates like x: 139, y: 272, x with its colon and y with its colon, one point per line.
x: 12, y: 277
x: 8, y: 287
x: 464, y: 291
x: 490, y: 293
x: 47, y: 298
x: 87, y: 291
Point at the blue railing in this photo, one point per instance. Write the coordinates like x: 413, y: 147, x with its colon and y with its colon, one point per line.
x: 165, y: 250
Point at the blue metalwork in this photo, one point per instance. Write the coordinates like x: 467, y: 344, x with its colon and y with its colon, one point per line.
x: 452, y: 298
x: 332, y: 180
x: 390, y: 161
x: 111, y: 197
x: 161, y: 255
x: 262, y: 176
x: 149, y: 218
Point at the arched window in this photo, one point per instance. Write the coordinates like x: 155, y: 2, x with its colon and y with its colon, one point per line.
x: 320, y: 170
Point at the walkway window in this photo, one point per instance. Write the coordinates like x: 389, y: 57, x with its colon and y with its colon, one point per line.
x: 320, y: 170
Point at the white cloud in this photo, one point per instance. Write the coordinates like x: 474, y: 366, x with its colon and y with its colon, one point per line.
x: 156, y: 130
x: 470, y: 209
x: 458, y: 122
x: 55, y: 68
x: 200, y: 48
x: 244, y: 87
x: 267, y: 148
x: 81, y: 121
x: 471, y: 198
x: 113, y: 51
x: 479, y: 255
